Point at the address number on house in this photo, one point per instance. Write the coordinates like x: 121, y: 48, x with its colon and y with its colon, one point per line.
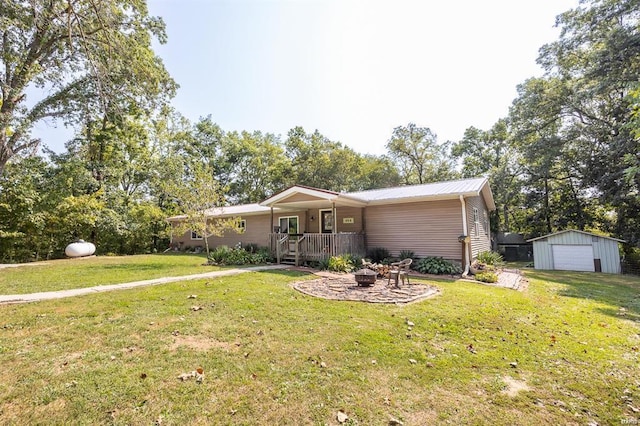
x: 347, y: 220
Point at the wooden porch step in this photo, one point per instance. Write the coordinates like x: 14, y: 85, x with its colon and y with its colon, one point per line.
x: 288, y: 259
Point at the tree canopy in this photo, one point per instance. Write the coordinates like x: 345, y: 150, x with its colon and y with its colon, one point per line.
x: 566, y: 155
x: 87, y: 58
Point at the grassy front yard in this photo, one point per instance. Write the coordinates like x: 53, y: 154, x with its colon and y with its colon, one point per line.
x: 64, y: 274
x: 566, y: 351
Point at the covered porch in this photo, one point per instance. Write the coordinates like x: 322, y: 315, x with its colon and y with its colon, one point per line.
x: 317, y: 224
x: 300, y: 248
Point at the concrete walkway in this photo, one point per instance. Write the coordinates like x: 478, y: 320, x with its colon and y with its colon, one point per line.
x: 48, y: 295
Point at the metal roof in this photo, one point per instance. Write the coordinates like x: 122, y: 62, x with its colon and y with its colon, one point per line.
x: 430, y: 190
x: 245, y: 209
x: 579, y: 232
x: 400, y: 194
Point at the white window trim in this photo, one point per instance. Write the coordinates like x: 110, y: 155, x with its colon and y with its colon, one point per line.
x: 195, y: 236
x: 289, y: 217
x: 486, y: 222
x: 243, y: 225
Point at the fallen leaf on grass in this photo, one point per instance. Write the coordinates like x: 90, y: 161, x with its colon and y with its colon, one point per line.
x: 192, y: 296
x: 342, y: 417
x: 471, y: 349
x: 196, y: 308
x: 413, y: 361
x: 513, y: 364
x: 143, y: 375
x: 395, y: 422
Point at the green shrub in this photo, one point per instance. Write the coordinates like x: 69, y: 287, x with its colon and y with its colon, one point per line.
x: 378, y: 254
x: 252, y: 247
x: 487, y: 277
x: 340, y: 263
x: 219, y: 255
x: 224, y: 255
x: 438, y: 266
x: 355, y: 260
x: 490, y: 258
x: 322, y: 264
x: 407, y: 254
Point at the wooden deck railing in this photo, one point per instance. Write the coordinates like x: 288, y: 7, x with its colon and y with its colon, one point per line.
x: 316, y: 247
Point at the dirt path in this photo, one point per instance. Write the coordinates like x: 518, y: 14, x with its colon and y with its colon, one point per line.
x: 48, y: 295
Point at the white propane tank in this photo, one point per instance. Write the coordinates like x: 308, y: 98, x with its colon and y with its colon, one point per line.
x: 79, y: 249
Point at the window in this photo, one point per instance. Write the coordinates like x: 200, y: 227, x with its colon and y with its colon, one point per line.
x: 195, y: 236
x: 485, y: 223
x: 243, y: 226
x: 476, y: 221
x: 289, y: 225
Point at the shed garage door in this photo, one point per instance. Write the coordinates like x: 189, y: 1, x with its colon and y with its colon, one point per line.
x: 573, y: 258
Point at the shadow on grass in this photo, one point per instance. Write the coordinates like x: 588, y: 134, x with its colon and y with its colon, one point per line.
x: 287, y: 273
x: 622, y: 292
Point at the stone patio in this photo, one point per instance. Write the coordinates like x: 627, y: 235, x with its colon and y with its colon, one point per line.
x: 344, y: 287
x: 334, y: 286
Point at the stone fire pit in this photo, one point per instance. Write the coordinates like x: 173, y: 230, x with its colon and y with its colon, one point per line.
x: 365, y: 277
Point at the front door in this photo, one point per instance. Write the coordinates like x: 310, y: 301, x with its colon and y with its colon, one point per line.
x: 326, y: 221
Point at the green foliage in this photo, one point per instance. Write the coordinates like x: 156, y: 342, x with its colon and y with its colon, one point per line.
x: 487, y: 277
x: 340, y: 263
x: 378, y: 254
x: 490, y: 258
x: 355, y: 260
x: 422, y: 159
x: 224, y: 255
x: 252, y: 247
x: 437, y: 266
x: 407, y: 254
x: 87, y: 61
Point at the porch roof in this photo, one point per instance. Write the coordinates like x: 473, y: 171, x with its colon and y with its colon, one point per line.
x: 300, y: 196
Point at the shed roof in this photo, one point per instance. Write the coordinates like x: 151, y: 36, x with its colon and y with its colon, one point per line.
x: 579, y: 232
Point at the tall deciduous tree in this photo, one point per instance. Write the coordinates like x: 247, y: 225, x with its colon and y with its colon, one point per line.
x: 91, y: 59
x: 419, y: 156
x: 198, y: 196
x: 490, y: 153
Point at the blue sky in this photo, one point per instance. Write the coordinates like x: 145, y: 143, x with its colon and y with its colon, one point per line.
x: 352, y: 69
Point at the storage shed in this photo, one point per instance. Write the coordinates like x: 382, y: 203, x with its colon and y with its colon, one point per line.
x: 573, y: 250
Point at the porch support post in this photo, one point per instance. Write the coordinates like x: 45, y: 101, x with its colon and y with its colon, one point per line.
x: 335, y: 229
x: 271, y: 229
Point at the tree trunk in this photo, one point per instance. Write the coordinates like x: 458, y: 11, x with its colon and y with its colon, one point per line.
x: 547, y: 213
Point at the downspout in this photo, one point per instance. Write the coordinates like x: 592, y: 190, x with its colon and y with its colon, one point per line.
x: 465, y: 232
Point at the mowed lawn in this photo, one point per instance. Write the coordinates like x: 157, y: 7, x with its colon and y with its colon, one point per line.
x: 565, y: 351
x: 62, y: 274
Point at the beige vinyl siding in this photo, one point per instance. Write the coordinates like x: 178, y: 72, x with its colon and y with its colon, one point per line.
x: 313, y: 226
x: 479, y: 233
x: 355, y: 213
x: 295, y: 198
x: 428, y: 228
x: 256, y: 232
